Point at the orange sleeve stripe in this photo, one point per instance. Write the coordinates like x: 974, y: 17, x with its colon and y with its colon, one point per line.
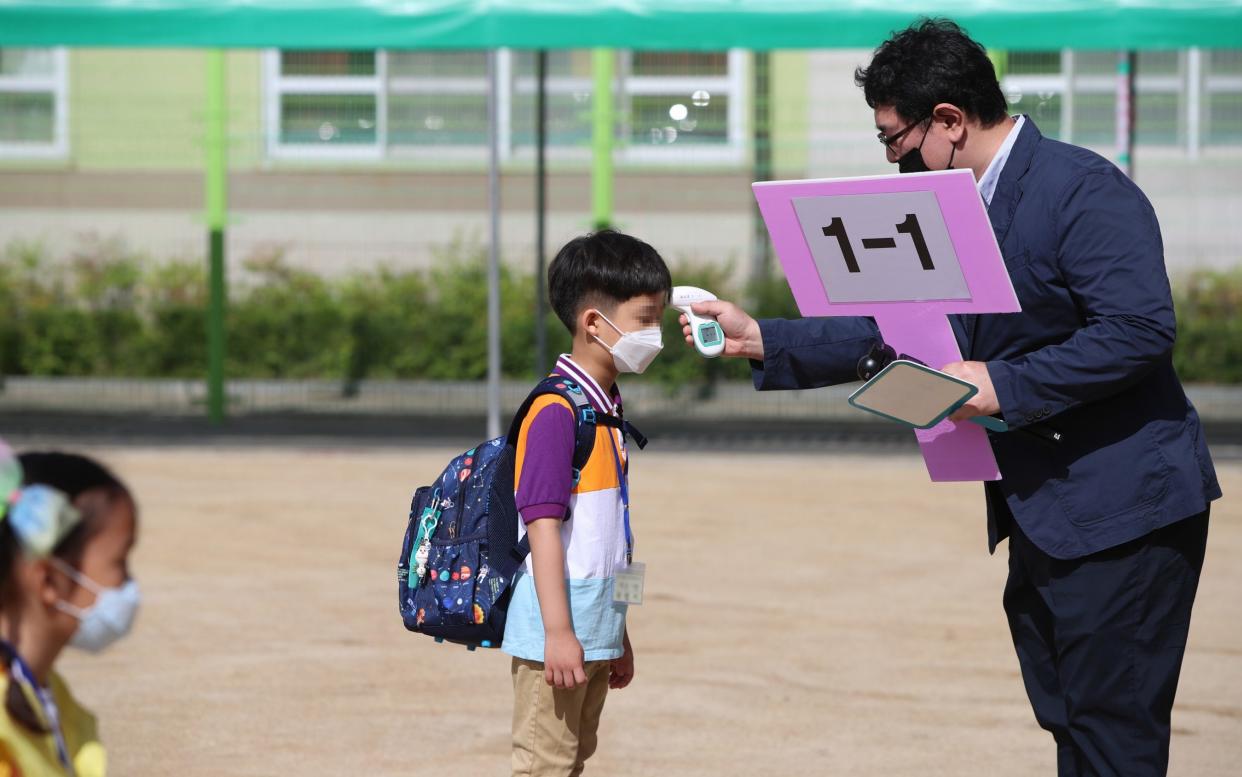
x: 542, y: 402
x: 600, y: 472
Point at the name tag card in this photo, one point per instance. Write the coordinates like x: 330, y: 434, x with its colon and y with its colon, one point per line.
x: 628, y: 584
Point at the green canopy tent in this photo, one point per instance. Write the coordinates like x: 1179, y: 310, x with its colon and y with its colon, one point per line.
x: 638, y: 24
x: 541, y: 24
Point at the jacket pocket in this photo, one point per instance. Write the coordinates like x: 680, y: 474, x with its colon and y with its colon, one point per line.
x: 1116, y: 481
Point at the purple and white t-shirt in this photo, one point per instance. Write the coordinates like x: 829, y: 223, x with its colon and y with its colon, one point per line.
x: 592, y: 520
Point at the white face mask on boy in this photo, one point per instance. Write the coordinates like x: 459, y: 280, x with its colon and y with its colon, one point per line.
x: 635, y: 351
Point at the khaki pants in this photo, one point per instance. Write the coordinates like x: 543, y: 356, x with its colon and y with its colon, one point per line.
x: 554, y: 730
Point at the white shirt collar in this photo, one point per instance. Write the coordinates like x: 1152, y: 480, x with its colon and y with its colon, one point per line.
x: 991, y: 176
x: 601, y: 399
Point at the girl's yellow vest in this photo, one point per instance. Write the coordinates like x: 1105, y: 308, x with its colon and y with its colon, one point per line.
x: 24, y: 754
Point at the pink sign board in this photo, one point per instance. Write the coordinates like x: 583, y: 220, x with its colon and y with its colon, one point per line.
x: 906, y: 250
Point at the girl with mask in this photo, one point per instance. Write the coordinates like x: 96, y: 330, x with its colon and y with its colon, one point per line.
x: 67, y: 526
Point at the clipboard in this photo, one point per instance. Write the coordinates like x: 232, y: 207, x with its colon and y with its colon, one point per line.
x: 913, y: 394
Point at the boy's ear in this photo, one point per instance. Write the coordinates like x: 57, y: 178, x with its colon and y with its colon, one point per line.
x: 589, y: 322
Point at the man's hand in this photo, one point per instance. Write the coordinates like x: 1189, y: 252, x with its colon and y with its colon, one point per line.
x: 562, y: 660
x: 983, y: 403
x: 621, y: 672
x: 742, y: 336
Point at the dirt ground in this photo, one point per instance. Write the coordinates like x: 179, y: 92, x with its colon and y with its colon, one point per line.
x: 808, y: 614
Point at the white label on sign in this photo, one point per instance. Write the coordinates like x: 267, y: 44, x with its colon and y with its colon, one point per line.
x: 881, y: 247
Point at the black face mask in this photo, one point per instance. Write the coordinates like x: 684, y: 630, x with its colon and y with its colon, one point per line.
x: 912, y: 160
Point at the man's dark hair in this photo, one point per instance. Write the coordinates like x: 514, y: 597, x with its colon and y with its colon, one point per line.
x: 602, y: 270
x: 930, y: 62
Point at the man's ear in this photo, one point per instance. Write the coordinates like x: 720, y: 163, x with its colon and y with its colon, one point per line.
x: 954, y: 120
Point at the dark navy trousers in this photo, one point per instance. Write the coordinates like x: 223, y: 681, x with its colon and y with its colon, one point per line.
x: 1100, y: 640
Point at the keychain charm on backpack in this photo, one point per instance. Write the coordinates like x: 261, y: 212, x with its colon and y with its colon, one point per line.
x: 426, y: 527
x: 420, y: 558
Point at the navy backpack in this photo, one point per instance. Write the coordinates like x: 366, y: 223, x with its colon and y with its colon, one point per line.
x: 461, y: 549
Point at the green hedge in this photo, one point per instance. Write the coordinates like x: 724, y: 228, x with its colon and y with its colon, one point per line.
x: 1209, y: 327
x: 106, y: 311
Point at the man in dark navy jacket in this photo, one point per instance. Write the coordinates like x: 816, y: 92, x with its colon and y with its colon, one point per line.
x: 1106, y: 528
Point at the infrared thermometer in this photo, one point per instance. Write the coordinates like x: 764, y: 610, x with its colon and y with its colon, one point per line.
x: 708, y: 336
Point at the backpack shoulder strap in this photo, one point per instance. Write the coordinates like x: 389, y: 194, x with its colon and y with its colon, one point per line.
x: 628, y: 429
x: 585, y: 417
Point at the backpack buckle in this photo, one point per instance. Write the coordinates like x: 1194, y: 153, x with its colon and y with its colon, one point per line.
x: 577, y: 476
x: 588, y: 415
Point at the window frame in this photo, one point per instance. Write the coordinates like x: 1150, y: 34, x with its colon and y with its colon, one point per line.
x: 1209, y: 84
x: 276, y: 85
x: 453, y: 85
x: 57, y: 84
x: 733, y: 84
x: 1194, y: 84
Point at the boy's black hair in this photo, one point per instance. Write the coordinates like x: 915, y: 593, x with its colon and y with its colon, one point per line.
x: 602, y: 270
x: 930, y: 62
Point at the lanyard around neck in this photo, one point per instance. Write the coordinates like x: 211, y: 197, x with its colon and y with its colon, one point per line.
x: 22, y: 674
x: 625, y: 497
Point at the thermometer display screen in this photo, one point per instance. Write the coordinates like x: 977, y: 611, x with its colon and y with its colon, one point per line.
x: 710, y: 334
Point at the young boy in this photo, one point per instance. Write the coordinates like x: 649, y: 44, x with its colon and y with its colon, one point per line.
x: 564, y: 630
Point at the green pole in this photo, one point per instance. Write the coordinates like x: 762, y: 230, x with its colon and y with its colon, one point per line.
x: 761, y: 119
x: 603, y: 135
x: 1127, y: 67
x: 1000, y: 62
x: 217, y: 206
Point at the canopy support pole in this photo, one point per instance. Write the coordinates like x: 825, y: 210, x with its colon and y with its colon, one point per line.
x: 761, y: 245
x: 541, y: 210
x: 493, y: 247
x: 603, y: 134
x: 1127, y: 67
x: 216, y: 200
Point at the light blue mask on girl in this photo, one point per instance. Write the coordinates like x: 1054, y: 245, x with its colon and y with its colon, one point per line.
x: 106, y: 621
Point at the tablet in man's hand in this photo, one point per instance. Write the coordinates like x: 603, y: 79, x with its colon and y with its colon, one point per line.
x: 913, y: 394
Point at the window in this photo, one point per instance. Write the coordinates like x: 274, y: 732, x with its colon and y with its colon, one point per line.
x: 686, y: 99
x: 1184, y: 98
x: 570, y: 86
x: 1222, y: 98
x: 324, y: 103
x: 437, y: 99
x: 1035, y: 85
x: 33, y: 103
x: 674, y: 106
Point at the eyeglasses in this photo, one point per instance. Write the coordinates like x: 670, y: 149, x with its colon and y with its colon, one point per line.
x: 888, y: 142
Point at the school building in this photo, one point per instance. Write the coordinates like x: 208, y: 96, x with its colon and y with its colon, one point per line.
x: 344, y: 159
